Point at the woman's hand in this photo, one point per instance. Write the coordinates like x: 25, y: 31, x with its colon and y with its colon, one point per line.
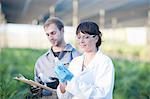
x: 62, y: 87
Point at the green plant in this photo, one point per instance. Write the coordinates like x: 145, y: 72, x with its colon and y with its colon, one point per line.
x: 131, y: 77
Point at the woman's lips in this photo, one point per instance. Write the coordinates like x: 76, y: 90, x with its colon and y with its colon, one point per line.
x: 82, y: 45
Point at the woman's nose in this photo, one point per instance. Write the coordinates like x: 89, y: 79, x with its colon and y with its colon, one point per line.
x: 81, y: 40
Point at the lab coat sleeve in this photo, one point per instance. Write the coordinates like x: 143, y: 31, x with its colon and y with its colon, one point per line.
x: 100, y: 88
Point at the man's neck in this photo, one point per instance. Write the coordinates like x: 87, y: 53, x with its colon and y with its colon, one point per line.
x: 59, y: 48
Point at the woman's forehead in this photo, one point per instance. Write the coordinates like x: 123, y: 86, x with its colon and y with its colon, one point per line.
x: 81, y: 33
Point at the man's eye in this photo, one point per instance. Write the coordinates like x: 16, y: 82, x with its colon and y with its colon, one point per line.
x: 53, y: 33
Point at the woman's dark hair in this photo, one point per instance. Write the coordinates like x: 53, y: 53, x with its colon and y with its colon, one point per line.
x: 90, y: 28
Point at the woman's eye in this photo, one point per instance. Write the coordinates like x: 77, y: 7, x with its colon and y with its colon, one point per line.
x: 78, y: 37
x: 86, y: 37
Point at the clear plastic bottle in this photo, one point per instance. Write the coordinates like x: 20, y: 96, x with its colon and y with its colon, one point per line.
x: 62, y: 72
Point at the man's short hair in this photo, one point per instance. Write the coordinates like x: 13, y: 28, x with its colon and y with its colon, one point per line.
x: 54, y: 20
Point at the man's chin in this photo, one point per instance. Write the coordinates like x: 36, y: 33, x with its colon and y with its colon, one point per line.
x: 55, y: 44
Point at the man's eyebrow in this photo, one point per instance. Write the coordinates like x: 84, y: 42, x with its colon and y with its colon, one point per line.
x: 51, y: 31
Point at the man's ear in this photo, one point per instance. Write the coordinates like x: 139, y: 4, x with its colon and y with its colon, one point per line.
x: 62, y: 30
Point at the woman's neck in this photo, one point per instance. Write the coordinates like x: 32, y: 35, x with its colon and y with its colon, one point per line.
x: 88, y: 56
x: 91, y: 53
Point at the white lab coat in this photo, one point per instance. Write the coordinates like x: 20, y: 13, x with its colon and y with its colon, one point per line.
x: 95, y: 82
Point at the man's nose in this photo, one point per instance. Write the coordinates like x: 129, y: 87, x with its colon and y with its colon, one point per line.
x: 51, y: 36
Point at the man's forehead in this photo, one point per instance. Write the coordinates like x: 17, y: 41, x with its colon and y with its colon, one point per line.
x: 51, y: 28
x: 53, y: 25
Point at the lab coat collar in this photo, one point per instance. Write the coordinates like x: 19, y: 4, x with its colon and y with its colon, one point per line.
x: 92, y: 64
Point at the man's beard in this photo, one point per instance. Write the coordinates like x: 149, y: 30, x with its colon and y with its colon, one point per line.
x: 57, y: 43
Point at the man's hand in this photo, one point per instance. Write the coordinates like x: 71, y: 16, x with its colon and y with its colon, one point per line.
x: 54, y: 83
x: 36, y: 91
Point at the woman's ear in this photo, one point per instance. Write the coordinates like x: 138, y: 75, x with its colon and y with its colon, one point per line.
x: 96, y: 38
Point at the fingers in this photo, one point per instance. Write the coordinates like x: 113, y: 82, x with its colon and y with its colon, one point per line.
x: 62, y: 87
x: 36, y: 91
x: 53, y: 85
x: 54, y: 78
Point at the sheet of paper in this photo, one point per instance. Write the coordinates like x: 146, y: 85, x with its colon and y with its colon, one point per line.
x: 32, y: 83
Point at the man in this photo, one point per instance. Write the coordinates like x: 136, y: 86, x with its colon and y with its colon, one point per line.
x: 44, y: 67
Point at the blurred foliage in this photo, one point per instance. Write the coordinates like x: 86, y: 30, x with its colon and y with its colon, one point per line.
x: 126, y: 50
x: 132, y: 79
x: 12, y: 63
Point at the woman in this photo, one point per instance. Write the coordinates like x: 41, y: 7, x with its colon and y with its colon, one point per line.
x: 93, y: 71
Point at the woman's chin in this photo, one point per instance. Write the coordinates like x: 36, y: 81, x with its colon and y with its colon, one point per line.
x: 84, y: 50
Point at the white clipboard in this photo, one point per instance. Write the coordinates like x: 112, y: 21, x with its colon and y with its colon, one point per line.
x: 32, y: 83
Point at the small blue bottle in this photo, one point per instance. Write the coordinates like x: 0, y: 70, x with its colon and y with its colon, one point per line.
x: 62, y: 72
